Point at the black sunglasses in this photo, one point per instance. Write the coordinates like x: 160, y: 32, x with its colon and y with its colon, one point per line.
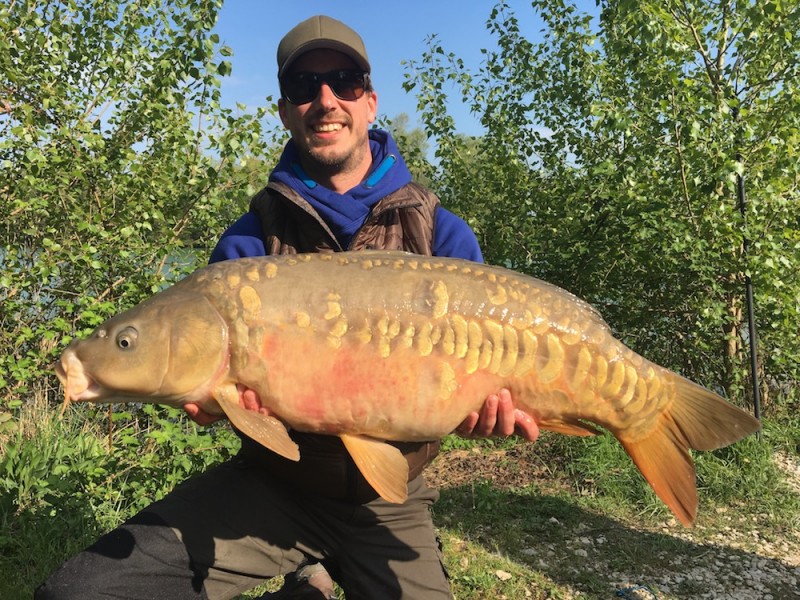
x: 302, y: 87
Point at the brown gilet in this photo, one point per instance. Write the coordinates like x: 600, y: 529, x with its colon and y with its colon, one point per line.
x: 403, y: 220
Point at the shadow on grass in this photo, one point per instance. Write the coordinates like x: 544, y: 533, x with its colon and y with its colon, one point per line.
x: 596, y: 555
x: 548, y: 535
x: 35, y: 543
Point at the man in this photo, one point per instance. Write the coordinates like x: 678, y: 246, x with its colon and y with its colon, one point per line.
x: 338, y: 186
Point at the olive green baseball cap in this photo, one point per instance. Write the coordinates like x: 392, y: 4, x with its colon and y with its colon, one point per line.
x: 317, y: 32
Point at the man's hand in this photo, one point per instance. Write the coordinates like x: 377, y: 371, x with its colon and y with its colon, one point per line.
x: 499, y: 418
x: 248, y: 399
x: 199, y: 416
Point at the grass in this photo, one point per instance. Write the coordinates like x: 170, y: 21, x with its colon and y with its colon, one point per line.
x: 564, y: 518
x: 61, y: 486
x: 587, y: 526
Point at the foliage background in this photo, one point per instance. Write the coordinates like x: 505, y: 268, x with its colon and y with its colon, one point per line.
x: 608, y: 165
x: 118, y: 164
x: 610, y: 162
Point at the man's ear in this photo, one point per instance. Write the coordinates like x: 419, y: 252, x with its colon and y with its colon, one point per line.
x: 282, y: 111
x: 373, y: 105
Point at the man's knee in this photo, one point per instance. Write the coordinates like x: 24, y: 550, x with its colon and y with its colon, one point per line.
x: 77, y: 579
x: 141, y: 558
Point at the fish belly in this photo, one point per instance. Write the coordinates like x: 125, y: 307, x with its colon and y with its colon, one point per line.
x: 353, y: 389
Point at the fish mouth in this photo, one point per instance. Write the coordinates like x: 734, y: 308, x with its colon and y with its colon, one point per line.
x: 78, y: 385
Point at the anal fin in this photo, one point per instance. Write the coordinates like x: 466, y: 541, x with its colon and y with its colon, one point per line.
x: 267, y: 431
x: 382, y: 465
x: 578, y: 428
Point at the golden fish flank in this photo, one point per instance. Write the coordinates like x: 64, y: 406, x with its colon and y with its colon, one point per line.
x: 394, y: 329
x: 580, y: 368
x: 388, y: 330
x: 653, y: 384
x: 482, y: 344
x: 600, y: 370
x: 497, y: 295
x: 384, y: 347
x: 510, y: 352
x: 302, y: 319
x: 521, y: 321
x: 530, y: 344
x: 466, y: 326
x: 517, y: 292
x: 216, y: 287
x: 541, y: 325
x: 270, y: 270
x: 569, y: 332
x: 441, y: 299
x: 241, y: 333
x: 252, y: 274
x: 631, y: 378
x: 492, y: 352
x: 407, y: 337
x: 363, y: 333
x: 339, y: 327
x: 251, y: 303
x: 447, y: 381
x: 337, y: 331
x: 474, y: 343
x: 460, y: 335
x: 616, y: 375
x: 424, y: 339
x: 553, y: 359
x: 639, y: 395
x: 334, y: 307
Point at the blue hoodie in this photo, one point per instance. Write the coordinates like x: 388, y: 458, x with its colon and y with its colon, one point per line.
x: 345, y: 213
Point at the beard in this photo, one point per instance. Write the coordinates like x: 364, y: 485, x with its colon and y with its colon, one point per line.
x: 328, y: 161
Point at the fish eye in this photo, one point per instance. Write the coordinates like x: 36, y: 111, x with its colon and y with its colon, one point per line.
x: 126, y: 339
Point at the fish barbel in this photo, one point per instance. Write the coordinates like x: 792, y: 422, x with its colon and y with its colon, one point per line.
x: 376, y: 345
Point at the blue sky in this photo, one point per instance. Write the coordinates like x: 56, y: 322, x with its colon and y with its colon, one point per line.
x: 392, y: 32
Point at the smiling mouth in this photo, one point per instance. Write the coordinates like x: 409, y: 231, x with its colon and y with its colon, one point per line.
x: 327, y: 127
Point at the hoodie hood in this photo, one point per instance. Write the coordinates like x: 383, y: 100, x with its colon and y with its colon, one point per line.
x: 345, y: 213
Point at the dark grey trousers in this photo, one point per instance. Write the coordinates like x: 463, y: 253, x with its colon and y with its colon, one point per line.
x: 229, y: 529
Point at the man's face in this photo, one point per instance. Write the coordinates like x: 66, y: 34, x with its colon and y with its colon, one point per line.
x: 330, y: 134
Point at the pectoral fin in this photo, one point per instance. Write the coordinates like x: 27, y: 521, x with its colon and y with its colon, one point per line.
x: 382, y: 465
x: 267, y: 431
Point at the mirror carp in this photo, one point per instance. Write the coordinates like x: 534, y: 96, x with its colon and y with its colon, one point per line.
x: 378, y: 345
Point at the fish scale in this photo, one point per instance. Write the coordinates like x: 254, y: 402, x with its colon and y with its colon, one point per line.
x: 375, y: 346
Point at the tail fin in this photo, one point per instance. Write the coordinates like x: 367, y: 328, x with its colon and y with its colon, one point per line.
x: 697, y: 419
